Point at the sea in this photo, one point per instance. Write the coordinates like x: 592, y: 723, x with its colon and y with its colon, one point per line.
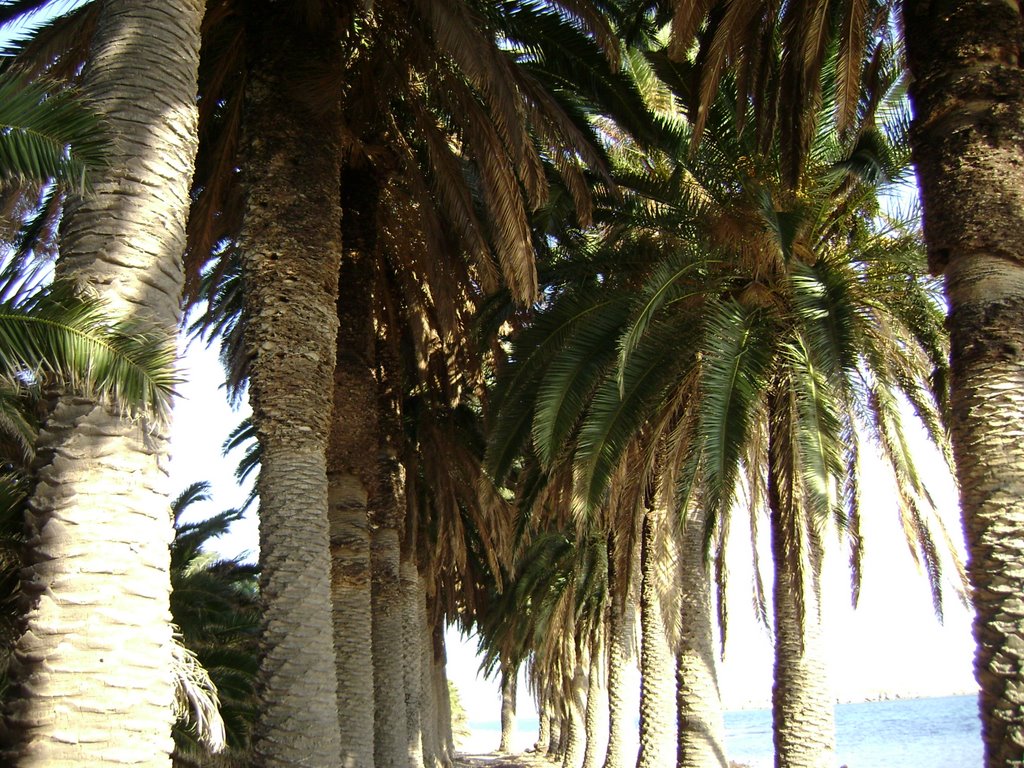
x: 942, y: 732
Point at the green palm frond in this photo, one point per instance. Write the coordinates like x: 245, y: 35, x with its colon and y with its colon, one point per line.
x: 55, y: 333
x: 46, y: 132
x: 571, y: 376
x: 735, y: 358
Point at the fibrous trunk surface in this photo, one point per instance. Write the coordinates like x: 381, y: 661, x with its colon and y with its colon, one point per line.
x: 291, y: 249
x: 701, y: 730
x: 91, y: 676
x: 968, y: 149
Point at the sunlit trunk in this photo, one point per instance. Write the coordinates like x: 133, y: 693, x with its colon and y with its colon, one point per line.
x: 968, y: 146
x: 803, y: 709
x: 596, y: 694
x: 91, y: 676
x: 509, y: 675
x: 657, y: 679
x: 701, y: 728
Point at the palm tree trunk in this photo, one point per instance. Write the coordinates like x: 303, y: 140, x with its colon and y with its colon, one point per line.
x: 596, y: 693
x: 543, y: 731
x: 291, y: 251
x: 390, y: 744
x: 509, y: 675
x: 701, y: 729
x: 555, y: 725
x: 968, y: 97
x: 353, y: 469
x: 431, y: 713
x: 414, y: 615
x: 657, y: 703
x: 444, y: 699
x: 573, y: 753
x: 614, y: 757
x: 803, y: 710
x: 92, y: 674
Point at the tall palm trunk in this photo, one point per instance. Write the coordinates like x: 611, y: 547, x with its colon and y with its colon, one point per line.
x: 556, y: 723
x: 352, y: 468
x: 701, y: 729
x: 614, y: 757
x: 543, y: 730
x: 596, y: 693
x: 290, y: 256
x: 509, y: 676
x: 390, y: 742
x: 92, y: 674
x: 803, y: 711
x: 431, y: 712
x: 444, y: 702
x: 968, y: 143
x: 573, y: 753
x: 413, y: 619
x: 657, y: 702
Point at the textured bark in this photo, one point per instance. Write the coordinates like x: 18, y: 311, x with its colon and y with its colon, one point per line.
x: 444, y: 704
x: 543, y: 731
x: 509, y: 676
x: 431, y: 714
x: 414, y: 601
x: 353, y: 472
x: 596, y: 695
x: 701, y: 728
x: 803, y: 710
x: 91, y: 674
x: 968, y: 144
x: 555, y: 725
x: 291, y: 251
x: 573, y: 753
x: 615, y: 756
x: 389, y: 743
x: 657, y: 700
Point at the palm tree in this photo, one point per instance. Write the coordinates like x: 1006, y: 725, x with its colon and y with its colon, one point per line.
x: 763, y: 322
x: 762, y: 350
x: 969, y: 178
x: 965, y: 224
x: 105, y: 588
x: 477, y: 84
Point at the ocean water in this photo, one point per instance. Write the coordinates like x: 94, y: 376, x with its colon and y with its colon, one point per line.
x: 940, y: 732
x: 910, y: 733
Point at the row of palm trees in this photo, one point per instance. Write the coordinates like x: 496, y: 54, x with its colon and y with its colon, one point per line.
x: 365, y: 175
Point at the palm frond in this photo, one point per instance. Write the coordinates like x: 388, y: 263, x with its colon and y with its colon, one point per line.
x: 48, y: 132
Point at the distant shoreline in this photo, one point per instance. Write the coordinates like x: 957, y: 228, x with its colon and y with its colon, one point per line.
x: 757, y: 704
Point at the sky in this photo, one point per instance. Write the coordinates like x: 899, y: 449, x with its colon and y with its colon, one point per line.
x: 891, y: 644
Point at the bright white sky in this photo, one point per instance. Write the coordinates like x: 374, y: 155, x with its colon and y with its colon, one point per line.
x: 891, y: 643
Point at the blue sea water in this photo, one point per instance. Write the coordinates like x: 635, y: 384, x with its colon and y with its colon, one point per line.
x: 939, y: 732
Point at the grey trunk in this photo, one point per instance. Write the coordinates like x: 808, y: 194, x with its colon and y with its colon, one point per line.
x: 390, y: 743
x: 291, y: 251
x: 543, y: 731
x: 596, y: 696
x: 617, y: 722
x: 353, y: 470
x: 91, y: 676
x: 573, y: 755
x: 803, y: 710
x: 701, y: 729
x: 509, y: 675
x: 657, y: 700
x: 414, y: 602
x: 968, y: 143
